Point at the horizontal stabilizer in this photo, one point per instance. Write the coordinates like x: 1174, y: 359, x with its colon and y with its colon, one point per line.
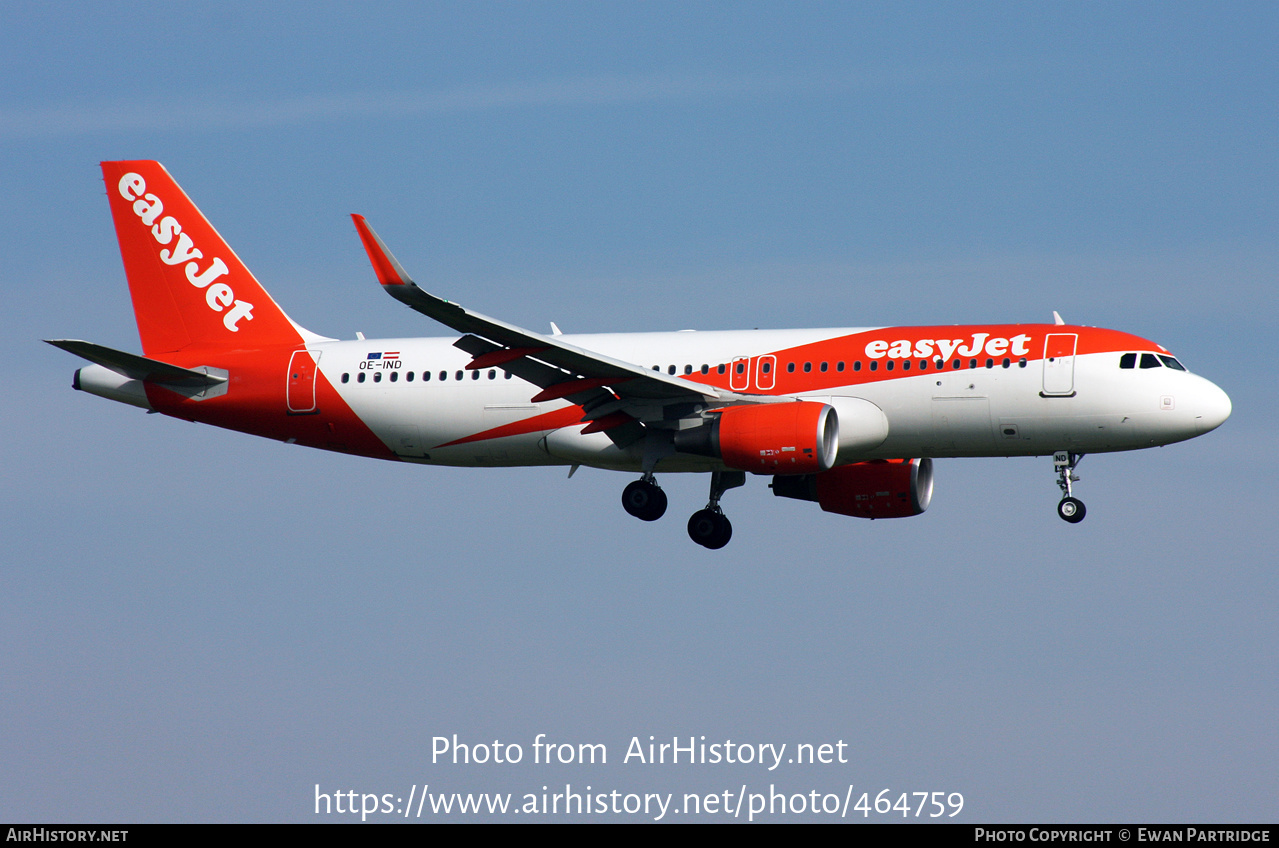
x: 138, y: 367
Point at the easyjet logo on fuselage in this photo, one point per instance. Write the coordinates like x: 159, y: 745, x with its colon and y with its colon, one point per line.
x: 218, y: 296
x: 944, y: 348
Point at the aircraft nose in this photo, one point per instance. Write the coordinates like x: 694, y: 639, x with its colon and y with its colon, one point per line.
x: 1212, y: 408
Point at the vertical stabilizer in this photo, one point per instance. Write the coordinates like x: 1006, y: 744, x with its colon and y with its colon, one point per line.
x: 189, y: 288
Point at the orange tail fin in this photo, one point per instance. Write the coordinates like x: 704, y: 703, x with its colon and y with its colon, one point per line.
x: 189, y: 288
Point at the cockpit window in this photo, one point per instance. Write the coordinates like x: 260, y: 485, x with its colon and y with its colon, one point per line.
x: 1149, y: 360
x: 1172, y: 362
x: 1128, y: 360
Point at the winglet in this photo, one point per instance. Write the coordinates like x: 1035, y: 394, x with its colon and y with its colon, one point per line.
x: 389, y: 271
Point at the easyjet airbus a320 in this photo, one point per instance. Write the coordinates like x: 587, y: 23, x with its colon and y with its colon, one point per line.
x: 850, y: 418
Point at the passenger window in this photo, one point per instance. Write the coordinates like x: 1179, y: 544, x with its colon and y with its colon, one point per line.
x: 823, y: 367
x: 1149, y: 360
x: 906, y: 365
x: 923, y: 365
x: 839, y: 366
x: 1021, y: 363
x: 346, y: 378
x: 475, y: 375
x: 395, y: 377
x: 377, y: 378
x: 874, y: 365
x: 459, y: 375
x: 790, y: 367
x: 719, y: 369
x: 444, y: 375
x: 706, y: 369
x: 359, y: 378
x: 766, y: 367
x: 890, y: 365
x: 688, y: 369
x: 808, y: 366
x: 426, y: 376
x: 670, y: 369
x: 409, y: 376
x: 990, y: 363
x: 857, y: 365
x: 1007, y: 362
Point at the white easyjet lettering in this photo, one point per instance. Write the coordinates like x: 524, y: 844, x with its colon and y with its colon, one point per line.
x: 184, y: 250
x: 900, y: 350
x: 242, y: 309
x: 216, y: 269
x: 148, y: 209
x: 979, y: 339
x: 166, y: 229
x: 217, y: 297
x: 924, y: 348
x: 945, y: 347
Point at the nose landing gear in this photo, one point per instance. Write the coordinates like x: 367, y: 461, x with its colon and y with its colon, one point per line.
x: 1070, y: 508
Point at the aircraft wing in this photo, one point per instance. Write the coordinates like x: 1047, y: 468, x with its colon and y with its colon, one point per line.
x: 612, y: 392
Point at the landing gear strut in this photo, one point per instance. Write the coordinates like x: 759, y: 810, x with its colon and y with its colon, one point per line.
x: 709, y: 527
x: 1070, y: 508
x: 644, y: 499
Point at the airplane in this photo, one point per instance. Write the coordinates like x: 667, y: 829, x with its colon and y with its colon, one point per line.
x: 848, y: 418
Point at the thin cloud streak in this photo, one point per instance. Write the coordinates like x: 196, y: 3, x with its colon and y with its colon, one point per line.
x: 132, y: 116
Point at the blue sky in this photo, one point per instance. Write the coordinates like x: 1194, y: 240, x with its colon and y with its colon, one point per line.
x: 203, y: 626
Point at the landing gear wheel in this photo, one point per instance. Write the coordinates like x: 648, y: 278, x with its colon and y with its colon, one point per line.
x: 644, y: 500
x: 710, y: 529
x: 1072, y: 510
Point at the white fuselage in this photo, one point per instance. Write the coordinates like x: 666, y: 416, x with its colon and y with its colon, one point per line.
x: 983, y: 411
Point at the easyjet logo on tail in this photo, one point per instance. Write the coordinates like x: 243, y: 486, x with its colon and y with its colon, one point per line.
x: 219, y: 296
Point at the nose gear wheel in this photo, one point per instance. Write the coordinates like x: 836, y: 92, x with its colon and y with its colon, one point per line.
x: 1070, y: 507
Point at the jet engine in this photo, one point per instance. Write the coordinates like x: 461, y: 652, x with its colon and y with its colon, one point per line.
x: 799, y: 437
x: 881, y: 488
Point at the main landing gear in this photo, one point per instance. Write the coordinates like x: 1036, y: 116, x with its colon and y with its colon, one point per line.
x: 1070, y: 507
x: 708, y: 527
x: 644, y: 499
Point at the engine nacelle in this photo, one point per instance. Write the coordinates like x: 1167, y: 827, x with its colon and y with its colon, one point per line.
x: 799, y: 437
x: 881, y: 488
